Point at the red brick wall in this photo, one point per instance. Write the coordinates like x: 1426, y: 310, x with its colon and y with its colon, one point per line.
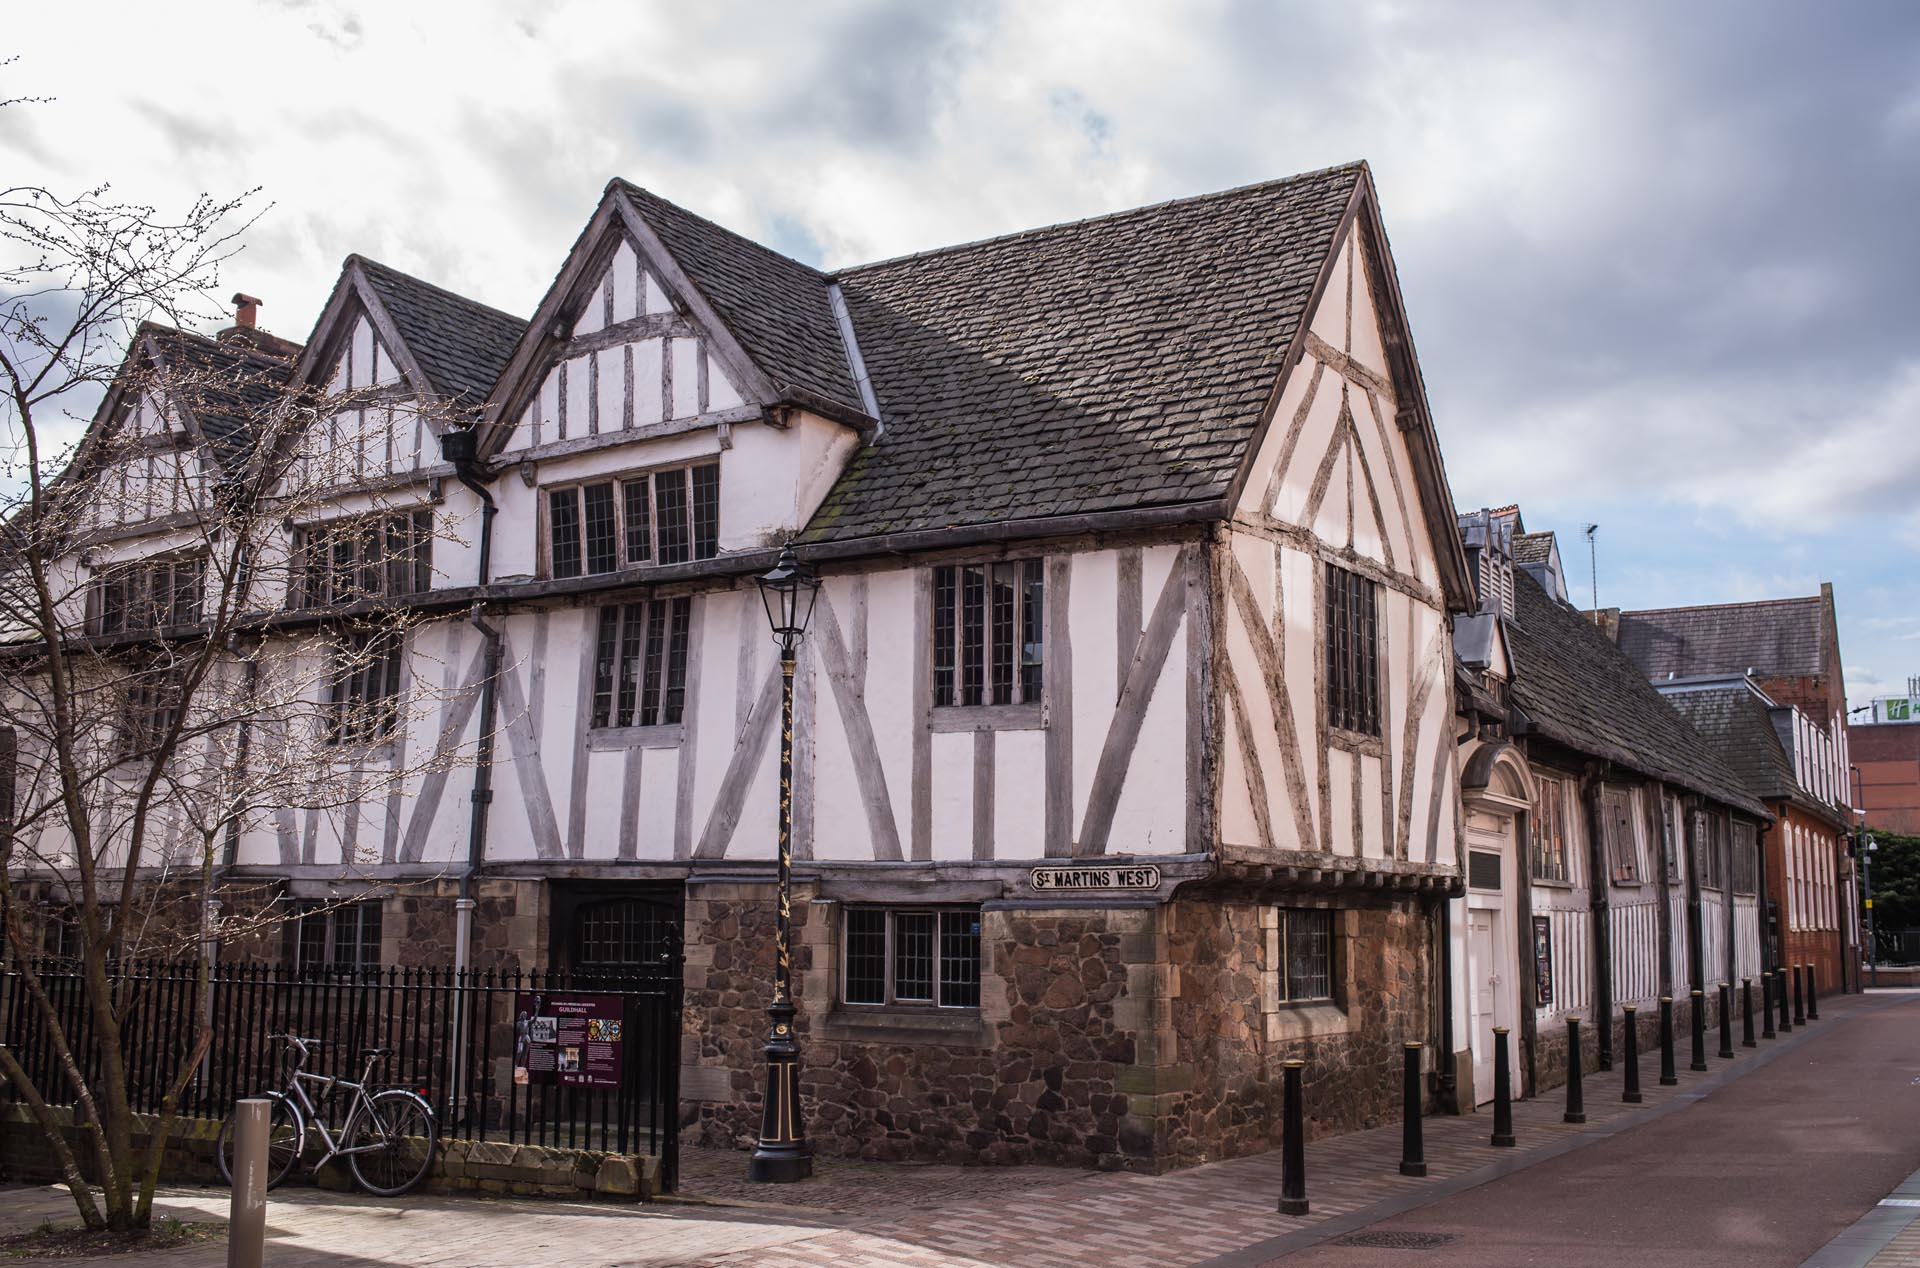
x: 1820, y: 947
x: 1888, y: 756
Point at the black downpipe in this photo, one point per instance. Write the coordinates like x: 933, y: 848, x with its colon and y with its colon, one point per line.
x: 1449, y: 1093
x: 460, y: 448
x: 1599, y: 876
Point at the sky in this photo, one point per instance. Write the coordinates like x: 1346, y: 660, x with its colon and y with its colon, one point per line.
x: 1659, y: 260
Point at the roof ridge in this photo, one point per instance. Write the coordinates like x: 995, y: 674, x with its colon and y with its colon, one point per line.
x: 1716, y: 607
x: 1355, y: 165
x: 735, y: 234
x: 417, y: 280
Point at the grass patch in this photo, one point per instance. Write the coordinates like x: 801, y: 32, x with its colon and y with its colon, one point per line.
x: 76, y: 1241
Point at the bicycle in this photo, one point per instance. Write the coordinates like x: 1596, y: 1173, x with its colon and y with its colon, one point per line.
x: 388, y: 1138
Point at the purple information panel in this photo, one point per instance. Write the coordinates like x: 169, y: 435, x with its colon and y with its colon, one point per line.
x: 571, y: 1039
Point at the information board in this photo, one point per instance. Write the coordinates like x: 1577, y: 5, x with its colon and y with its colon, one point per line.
x: 572, y: 1039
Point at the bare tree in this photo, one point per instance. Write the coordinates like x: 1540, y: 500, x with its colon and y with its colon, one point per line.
x: 178, y: 665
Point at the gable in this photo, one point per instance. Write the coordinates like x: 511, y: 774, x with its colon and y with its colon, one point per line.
x: 632, y: 363
x: 363, y: 361
x: 1335, y: 462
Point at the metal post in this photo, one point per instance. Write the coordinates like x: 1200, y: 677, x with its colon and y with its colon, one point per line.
x: 1766, y: 1005
x: 1697, y: 1004
x: 1866, y: 867
x: 247, y: 1213
x: 1630, y: 1092
x: 1667, y: 1077
x: 1813, y: 996
x: 1413, y: 1158
x: 1746, y: 1013
x: 1576, y: 1103
x: 1799, y: 996
x: 782, y: 1156
x: 1502, y: 1092
x: 1293, y: 1149
x: 1726, y: 1020
x: 1780, y: 986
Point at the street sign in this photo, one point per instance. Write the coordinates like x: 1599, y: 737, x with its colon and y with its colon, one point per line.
x: 1057, y: 879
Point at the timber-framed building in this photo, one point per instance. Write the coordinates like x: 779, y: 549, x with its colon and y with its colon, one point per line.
x: 1129, y: 737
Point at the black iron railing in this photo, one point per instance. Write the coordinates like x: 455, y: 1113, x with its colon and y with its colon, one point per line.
x: 463, y: 1040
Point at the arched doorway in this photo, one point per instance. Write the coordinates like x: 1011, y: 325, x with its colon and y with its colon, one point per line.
x: 1494, y: 789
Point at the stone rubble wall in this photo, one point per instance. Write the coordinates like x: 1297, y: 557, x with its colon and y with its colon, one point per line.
x: 1136, y: 1038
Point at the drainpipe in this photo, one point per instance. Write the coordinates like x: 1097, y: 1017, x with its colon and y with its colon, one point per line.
x: 1449, y: 1093
x: 1599, y: 878
x: 460, y: 447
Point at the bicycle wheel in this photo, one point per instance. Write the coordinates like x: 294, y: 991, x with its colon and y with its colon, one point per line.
x: 397, y: 1134
x: 286, y: 1137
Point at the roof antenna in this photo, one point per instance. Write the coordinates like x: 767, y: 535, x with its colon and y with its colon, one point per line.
x: 1593, y: 569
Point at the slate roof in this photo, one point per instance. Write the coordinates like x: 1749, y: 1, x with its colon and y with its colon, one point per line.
x: 1774, y: 637
x: 1532, y: 548
x: 226, y: 383
x: 1740, y: 727
x: 776, y: 307
x: 1580, y: 690
x: 460, y: 345
x: 1103, y: 365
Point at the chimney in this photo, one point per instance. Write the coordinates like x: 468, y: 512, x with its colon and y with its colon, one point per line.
x: 245, y: 311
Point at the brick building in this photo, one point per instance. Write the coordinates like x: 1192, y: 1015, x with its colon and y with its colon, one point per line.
x: 1887, y: 755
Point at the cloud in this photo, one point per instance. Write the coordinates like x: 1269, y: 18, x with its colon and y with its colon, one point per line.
x: 1658, y: 258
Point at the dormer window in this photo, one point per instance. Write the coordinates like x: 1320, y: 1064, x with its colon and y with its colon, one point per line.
x: 669, y: 516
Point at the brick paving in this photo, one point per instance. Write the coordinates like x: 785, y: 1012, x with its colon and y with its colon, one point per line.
x: 862, y: 1215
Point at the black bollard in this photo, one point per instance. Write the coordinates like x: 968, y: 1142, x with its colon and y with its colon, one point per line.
x: 1667, y: 1077
x: 1780, y: 985
x: 1413, y: 1158
x: 1576, y: 1103
x: 1726, y: 1020
x: 1697, y: 1005
x: 1631, y: 1090
x: 1502, y: 1092
x: 1799, y: 998
x: 1766, y: 1006
x: 1746, y: 1013
x: 1293, y: 1150
x: 1813, y: 996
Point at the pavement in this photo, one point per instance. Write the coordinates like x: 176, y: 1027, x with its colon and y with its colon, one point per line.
x: 1764, y: 1159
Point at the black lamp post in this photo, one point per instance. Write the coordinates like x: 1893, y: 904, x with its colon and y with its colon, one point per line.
x: 782, y: 1155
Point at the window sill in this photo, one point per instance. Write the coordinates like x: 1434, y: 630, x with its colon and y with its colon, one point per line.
x: 987, y: 717
x: 1290, y: 1022
x: 1553, y: 884
x: 954, y: 1028
x: 624, y: 737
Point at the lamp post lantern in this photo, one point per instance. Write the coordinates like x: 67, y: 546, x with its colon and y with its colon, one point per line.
x: 782, y: 1155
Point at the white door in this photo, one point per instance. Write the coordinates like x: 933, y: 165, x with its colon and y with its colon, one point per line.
x: 1483, y: 990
